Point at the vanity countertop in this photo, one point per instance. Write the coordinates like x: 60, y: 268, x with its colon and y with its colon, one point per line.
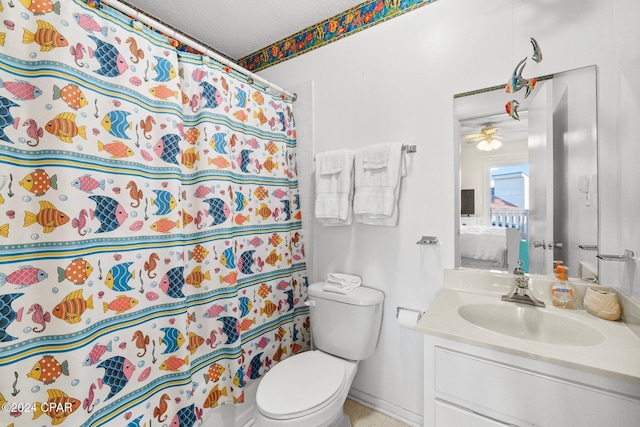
x: 617, y: 356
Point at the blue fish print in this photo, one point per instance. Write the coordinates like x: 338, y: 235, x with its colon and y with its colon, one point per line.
x: 168, y: 148
x: 254, y: 367
x: 211, y: 94
x: 172, y: 338
x: 289, y: 299
x: 244, y: 160
x: 228, y: 258
x: 231, y: 328
x: 246, y: 262
x: 245, y: 306
x: 135, y: 422
x: 241, y: 202
x: 111, y: 62
x: 295, y: 332
x: 118, y: 276
x: 164, y: 201
x: 219, y: 143
x: 286, y: 209
x: 6, y: 119
x: 115, y: 122
x: 282, y: 120
x: 109, y: 212
x: 164, y: 68
x: 7, y: 315
x: 218, y: 210
x: 117, y: 373
x: 238, y: 378
x: 241, y: 96
x: 186, y: 417
x: 296, y: 200
x: 172, y: 282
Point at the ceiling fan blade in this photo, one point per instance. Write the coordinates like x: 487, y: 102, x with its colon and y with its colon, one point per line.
x: 471, y: 135
x: 476, y: 139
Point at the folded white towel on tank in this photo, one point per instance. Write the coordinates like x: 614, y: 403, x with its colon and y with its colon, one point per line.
x: 343, y: 279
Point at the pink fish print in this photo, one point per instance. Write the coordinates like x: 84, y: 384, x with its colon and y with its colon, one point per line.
x: 279, y: 193
x: 203, y: 191
x: 214, y: 310
x: 253, y: 143
x: 87, y: 23
x: 87, y: 184
x: 256, y: 241
x: 262, y: 343
x: 96, y: 353
x: 24, y: 276
x: 21, y: 90
x: 39, y: 317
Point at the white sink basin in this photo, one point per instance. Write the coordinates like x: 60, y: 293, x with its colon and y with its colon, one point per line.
x: 531, y: 323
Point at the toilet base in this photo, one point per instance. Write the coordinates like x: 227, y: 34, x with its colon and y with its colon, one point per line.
x: 343, y: 421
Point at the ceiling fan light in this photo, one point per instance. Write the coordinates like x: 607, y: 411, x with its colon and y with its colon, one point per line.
x: 489, y: 145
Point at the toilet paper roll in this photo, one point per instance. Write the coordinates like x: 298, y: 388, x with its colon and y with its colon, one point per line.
x: 408, y: 318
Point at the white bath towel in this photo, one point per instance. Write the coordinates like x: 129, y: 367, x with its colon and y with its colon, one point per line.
x: 334, y: 187
x: 378, y: 171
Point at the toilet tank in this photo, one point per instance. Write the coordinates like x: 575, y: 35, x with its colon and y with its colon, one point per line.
x: 345, y: 326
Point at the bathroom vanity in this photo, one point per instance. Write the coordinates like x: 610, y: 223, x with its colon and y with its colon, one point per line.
x: 495, y: 363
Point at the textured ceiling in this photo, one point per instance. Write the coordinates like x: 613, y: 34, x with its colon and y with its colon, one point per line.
x: 237, y: 28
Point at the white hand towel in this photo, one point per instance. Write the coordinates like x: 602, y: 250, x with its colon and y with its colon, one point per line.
x: 377, y: 185
x: 329, y: 287
x: 343, y: 279
x: 334, y: 187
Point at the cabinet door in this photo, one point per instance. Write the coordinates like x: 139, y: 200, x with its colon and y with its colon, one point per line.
x: 448, y: 415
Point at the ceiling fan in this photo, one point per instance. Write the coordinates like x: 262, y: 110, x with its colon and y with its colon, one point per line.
x: 487, y: 139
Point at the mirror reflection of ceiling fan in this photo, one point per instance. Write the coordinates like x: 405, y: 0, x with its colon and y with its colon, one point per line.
x: 487, y: 139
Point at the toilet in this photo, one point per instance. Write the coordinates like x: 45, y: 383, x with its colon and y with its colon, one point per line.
x: 310, y: 388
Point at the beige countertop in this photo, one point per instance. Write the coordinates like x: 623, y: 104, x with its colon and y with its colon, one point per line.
x: 618, y: 355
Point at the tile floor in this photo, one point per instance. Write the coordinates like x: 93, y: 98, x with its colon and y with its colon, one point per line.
x: 361, y: 416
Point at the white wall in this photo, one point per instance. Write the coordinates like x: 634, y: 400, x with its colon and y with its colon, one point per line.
x: 395, y: 82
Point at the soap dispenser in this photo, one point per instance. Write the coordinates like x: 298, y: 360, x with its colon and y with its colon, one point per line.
x: 562, y: 293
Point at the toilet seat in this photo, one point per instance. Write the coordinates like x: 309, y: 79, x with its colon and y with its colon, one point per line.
x: 300, y: 385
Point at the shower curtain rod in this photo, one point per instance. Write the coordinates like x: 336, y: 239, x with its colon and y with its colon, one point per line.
x: 137, y: 16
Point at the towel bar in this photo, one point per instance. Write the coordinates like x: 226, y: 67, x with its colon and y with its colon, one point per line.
x: 405, y: 148
x: 428, y: 240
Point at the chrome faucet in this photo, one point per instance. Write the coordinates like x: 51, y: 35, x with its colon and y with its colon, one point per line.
x: 521, y: 292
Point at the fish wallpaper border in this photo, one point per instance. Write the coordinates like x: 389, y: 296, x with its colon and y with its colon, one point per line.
x: 349, y: 22
x: 152, y: 259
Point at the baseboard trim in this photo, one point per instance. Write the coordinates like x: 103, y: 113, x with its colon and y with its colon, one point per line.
x: 386, y: 408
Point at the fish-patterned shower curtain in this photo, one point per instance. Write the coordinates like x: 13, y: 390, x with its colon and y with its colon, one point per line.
x: 151, y: 259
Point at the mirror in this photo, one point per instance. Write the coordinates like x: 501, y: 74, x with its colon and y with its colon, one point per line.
x: 527, y: 189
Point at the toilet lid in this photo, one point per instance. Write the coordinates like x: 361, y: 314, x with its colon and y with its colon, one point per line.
x: 300, y: 385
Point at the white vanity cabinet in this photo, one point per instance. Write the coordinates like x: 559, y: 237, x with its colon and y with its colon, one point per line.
x: 475, y: 386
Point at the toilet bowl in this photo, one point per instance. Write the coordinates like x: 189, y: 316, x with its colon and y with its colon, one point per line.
x: 309, y: 389
x: 306, y: 390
